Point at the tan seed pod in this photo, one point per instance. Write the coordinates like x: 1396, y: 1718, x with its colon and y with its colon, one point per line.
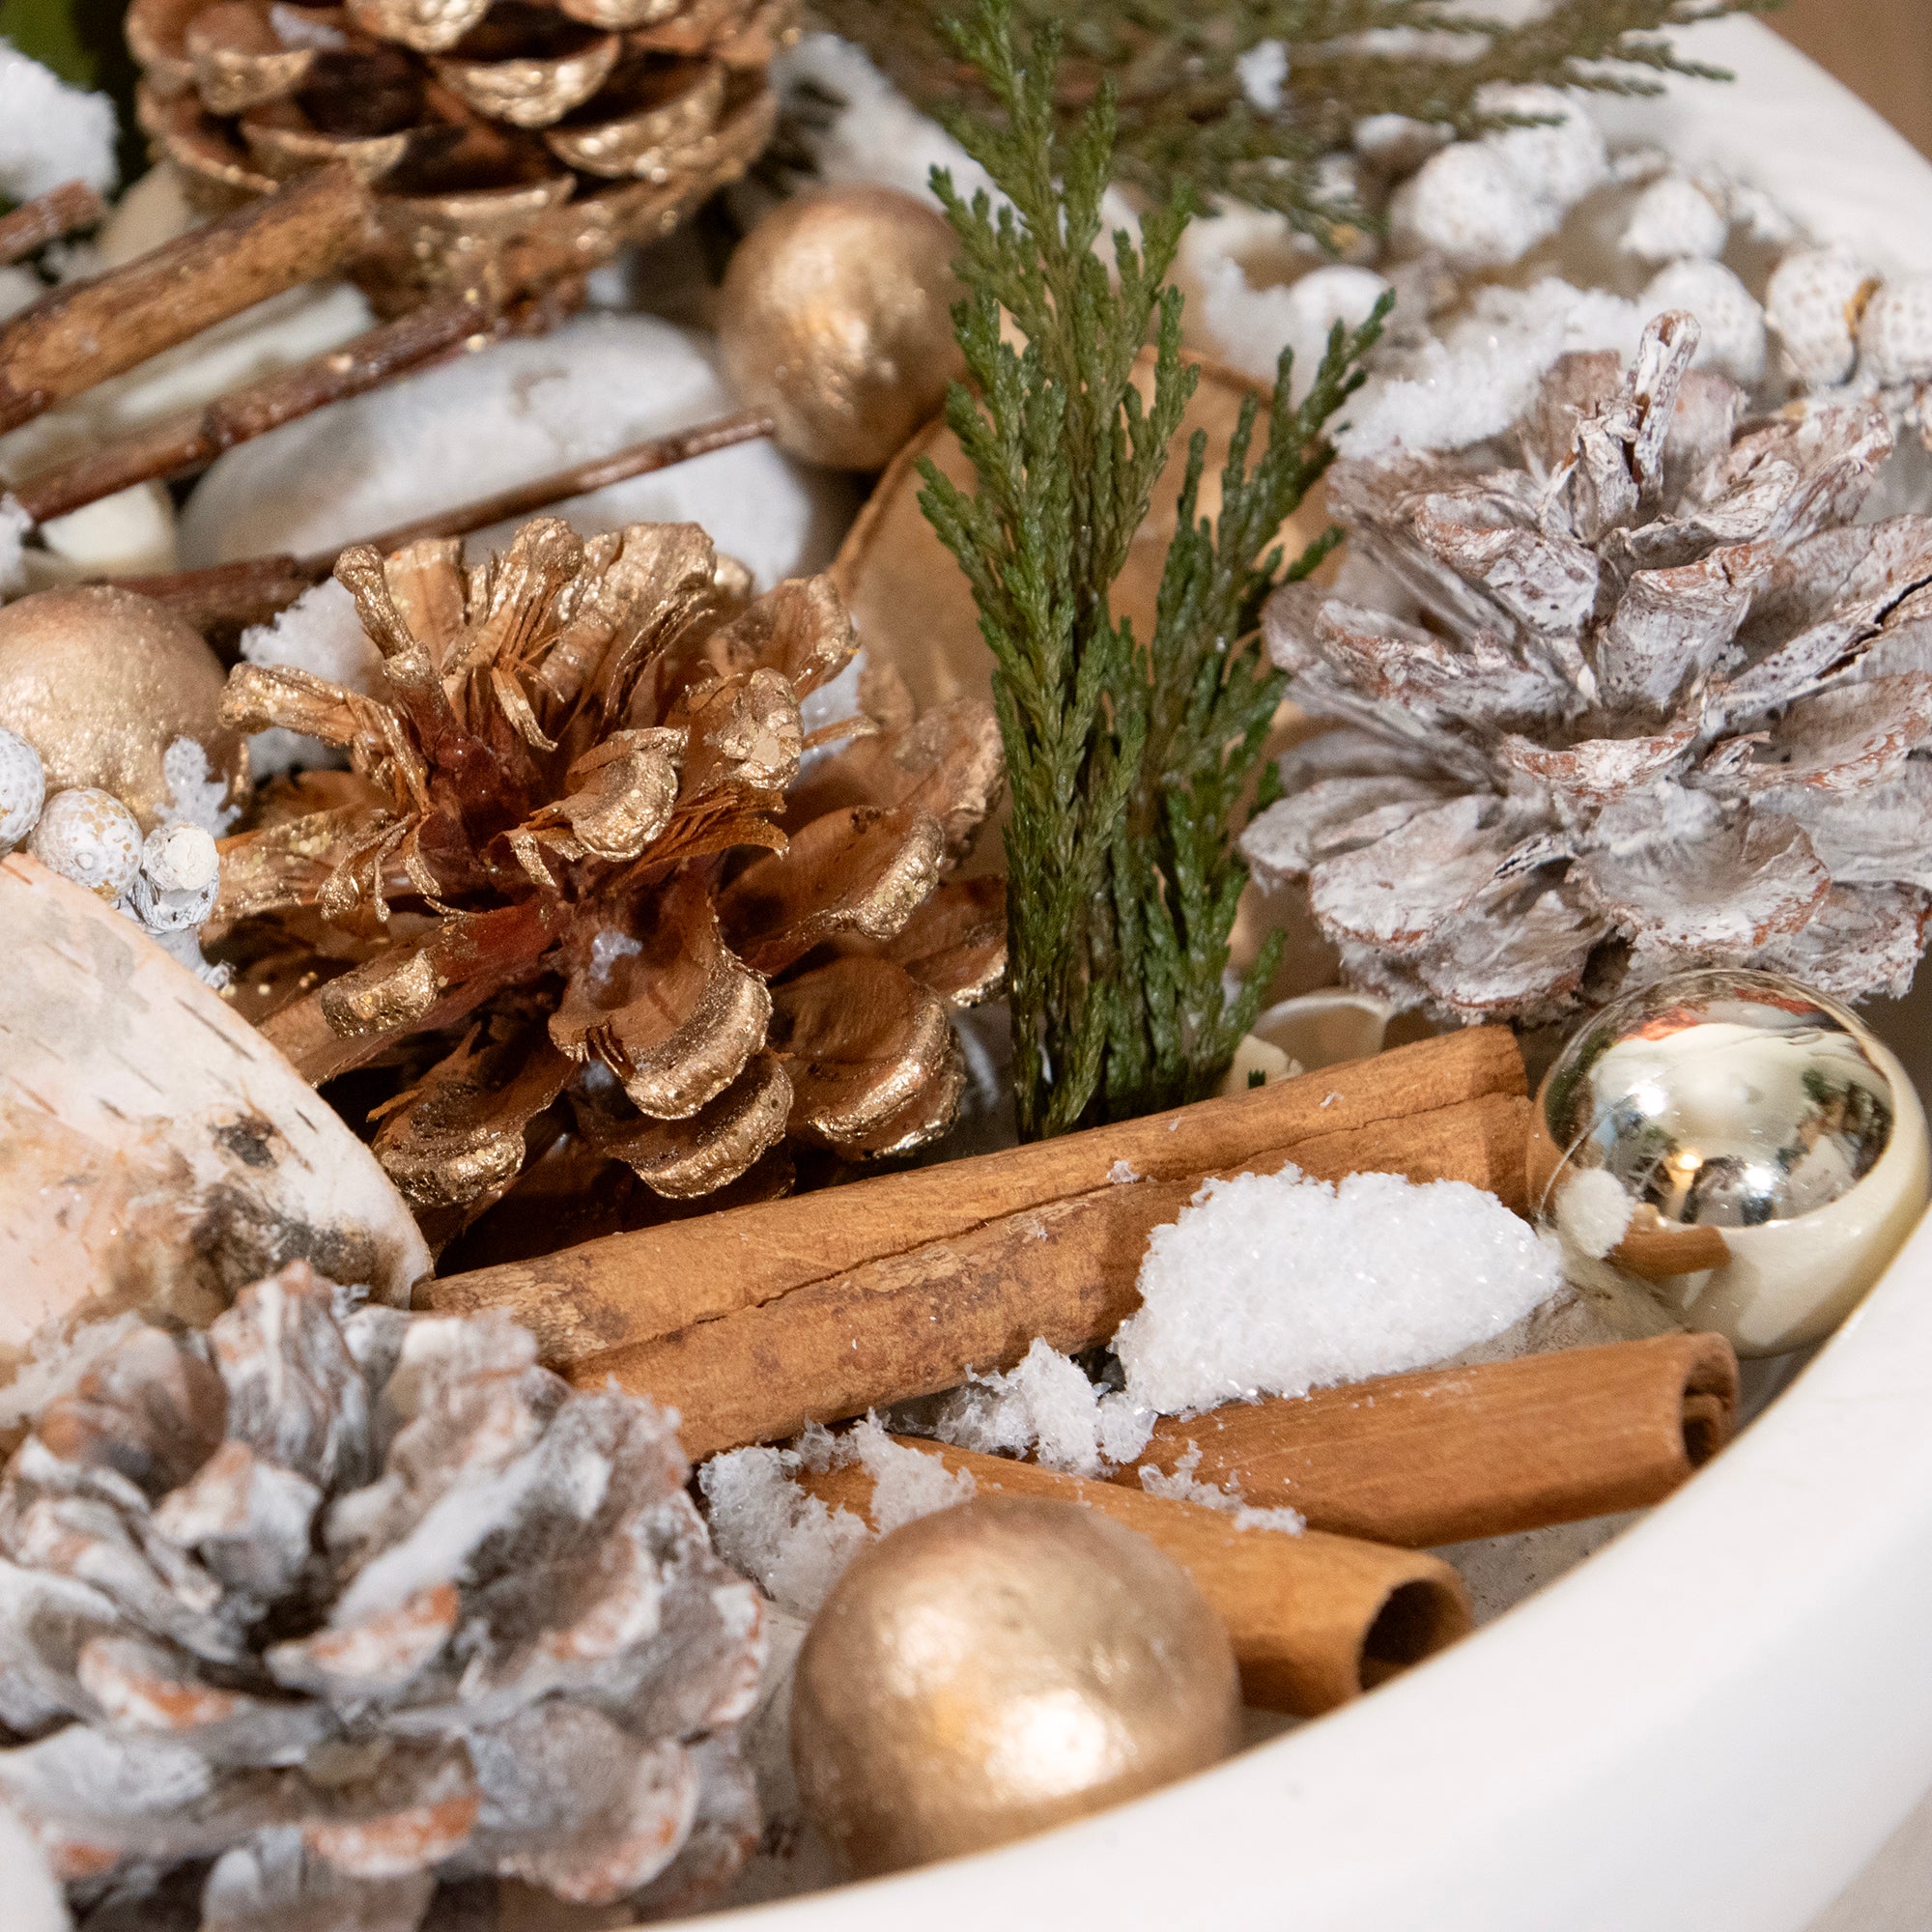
x: 88, y: 836
x: 1813, y: 303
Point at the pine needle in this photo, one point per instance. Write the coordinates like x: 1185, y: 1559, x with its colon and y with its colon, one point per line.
x: 1125, y: 759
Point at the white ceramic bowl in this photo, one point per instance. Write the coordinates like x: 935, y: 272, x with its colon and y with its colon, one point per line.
x: 1712, y: 1724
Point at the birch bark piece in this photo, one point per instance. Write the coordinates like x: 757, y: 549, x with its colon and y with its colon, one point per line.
x: 155, y: 1153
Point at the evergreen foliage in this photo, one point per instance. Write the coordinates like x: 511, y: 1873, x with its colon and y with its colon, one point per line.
x: 1188, y: 109
x: 1126, y: 759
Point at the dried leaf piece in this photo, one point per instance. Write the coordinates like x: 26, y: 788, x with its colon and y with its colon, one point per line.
x: 1718, y: 750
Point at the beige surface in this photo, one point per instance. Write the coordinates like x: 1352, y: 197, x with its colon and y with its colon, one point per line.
x: 1882, y: 50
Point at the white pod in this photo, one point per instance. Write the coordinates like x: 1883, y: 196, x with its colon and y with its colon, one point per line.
x: 1469, y: 206
x: 1813, y: 303
x: 1674, y: 221
x: 90, y: 836
x: 23, y: 788
x: 180, y: 877
x: 1731, y: 321
x: 1895, y: 337
x: 1560, y: 162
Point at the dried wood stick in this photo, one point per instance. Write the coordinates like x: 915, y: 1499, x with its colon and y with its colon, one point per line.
x: 659, y: 452
x: 83, y: 332
x: 627, y: 1289
x: 1453, y: 1454
x: 47, y: 218
x: 917, y: 1321
x: 1313, y: 1619
x: 189, y: 442
x: 224, y: 599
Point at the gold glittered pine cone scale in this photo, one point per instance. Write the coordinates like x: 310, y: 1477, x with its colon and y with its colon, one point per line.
x: 581, y: 125
x: 591, y: 887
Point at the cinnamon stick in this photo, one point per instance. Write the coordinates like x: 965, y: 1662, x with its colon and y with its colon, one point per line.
x: 1454, y: 1454
x: 917, y: 1321
x: 1313, y: 1619
x: 47, y: 218
x: 85, y: 332
x: 630, y: 1288
x: 194, y: 440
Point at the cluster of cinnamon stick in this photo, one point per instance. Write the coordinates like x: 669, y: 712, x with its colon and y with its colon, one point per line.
x: 754, y: 1322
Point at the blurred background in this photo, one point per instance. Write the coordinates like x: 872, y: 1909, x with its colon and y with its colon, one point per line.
x: 1881, y: 49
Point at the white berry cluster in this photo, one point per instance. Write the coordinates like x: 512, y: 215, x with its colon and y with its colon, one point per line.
x: 166, y: 882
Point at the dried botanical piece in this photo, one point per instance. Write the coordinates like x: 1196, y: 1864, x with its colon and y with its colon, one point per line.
x: 1648, y: 697
x: 574, y: 852
x: 329, y: 1607
x: 474, y: 124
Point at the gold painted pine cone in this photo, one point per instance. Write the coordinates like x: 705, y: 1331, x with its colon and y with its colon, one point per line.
x: 589, y: 123
x: 335, y: 1617
x: 592, y: 877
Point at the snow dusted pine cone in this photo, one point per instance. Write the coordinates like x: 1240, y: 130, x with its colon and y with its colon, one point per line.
x: 581, y: 847
x: 1649, y: 698
x: 306, y: 1617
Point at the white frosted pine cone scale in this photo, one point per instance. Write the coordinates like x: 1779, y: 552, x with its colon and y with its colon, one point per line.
x: 1642, y: 695
x: 359, y: 1607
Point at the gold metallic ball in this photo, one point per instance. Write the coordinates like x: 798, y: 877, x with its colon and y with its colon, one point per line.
x: 836, y: 320
x: 100, y: 682
x: 998, y: 1668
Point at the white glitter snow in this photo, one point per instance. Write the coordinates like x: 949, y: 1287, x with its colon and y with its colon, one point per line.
x: 320, y: 633
x: 1182, y: 1485
x: 1276, y: 1283
x: 49, y: 132
x: 1593, y: 1211
x: 1045, y: 1404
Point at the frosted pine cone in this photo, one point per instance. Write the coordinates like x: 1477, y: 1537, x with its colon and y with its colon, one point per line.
x: 581, y: 849
x: 1652, y: 698
x: 307, y: 1617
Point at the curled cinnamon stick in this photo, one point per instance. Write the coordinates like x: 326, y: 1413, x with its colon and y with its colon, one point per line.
x: 47, y: 218
x: 628, y: 1288
x: 1454, y: 1454
x: 917, y: 1321
x: 1313, y: 1619
x: 83, y: 332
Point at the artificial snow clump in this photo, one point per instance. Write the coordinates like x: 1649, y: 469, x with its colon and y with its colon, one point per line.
x: 321, y: 633
x: 1183, y: 1485
x: 50, y: 132
x: 1671, y: 704
x: 1047, y: 1405
x: 789, y: 1542
x: 1812, y: 304
x: 1275, y: 1285
x: 15, y: 527
x: 334, y: 1618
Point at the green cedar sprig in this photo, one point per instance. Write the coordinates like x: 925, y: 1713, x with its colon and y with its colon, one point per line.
x: 1125, y: 761
x: 1186, y: 114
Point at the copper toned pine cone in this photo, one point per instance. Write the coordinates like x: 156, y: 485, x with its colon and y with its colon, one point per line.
x: 591, y: 874
x: 330, y: 1610
x: 589, y: 121
x: 1642, y: 693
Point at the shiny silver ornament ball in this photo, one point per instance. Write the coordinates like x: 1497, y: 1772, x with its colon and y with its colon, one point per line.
x: 1000, y: 1668
x: 1736, y: 1142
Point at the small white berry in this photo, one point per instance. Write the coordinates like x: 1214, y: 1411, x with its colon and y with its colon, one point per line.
x: 1395, y: 146
x: 1812, y: 304
x: 1468, y: 204
x: 90, y: 836
x: 24, y: 789
x: 1558, y: 162
x: 1895, y: 337
x: 1674, y: 221
x: 179, y: 877
x: 1732, y: 323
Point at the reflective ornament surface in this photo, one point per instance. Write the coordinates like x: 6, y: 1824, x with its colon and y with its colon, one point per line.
x: 1738, y: 1141
x: 836, y: 320
x: 100, y: 682
x: 998, y: 1668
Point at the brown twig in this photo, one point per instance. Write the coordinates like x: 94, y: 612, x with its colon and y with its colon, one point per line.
x: 47, y: 218
x: 661, y: 452
x: 86, y: 332
x: 427, y: 335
